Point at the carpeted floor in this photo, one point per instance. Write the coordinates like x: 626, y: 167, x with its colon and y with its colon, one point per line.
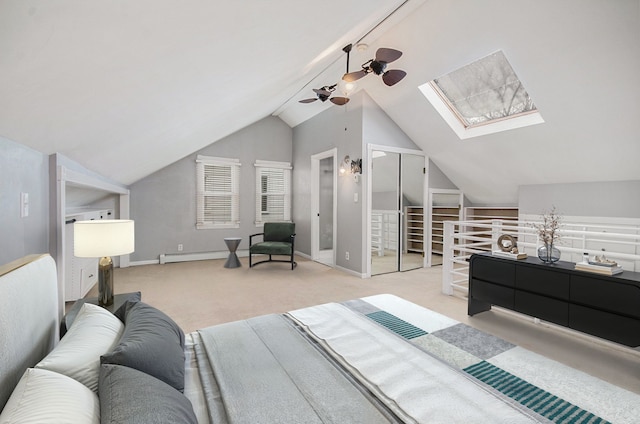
x: 203, y: 293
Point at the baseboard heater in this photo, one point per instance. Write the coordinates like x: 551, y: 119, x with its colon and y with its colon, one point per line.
x: 166, y: 258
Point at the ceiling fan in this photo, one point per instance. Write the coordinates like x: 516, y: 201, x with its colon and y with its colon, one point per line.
x: 378, y: 66
x: 323, y: 94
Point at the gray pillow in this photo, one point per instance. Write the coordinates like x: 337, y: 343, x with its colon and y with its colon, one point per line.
x: 151, y: 342
x: 130, y: 396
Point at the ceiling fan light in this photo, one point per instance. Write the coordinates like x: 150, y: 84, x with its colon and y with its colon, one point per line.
x: 347, y: 88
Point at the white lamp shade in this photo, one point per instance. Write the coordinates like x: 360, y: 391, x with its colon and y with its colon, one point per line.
x: 107, y: 237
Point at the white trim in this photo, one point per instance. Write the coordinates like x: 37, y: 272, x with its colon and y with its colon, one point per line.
x: 350, y: 271
x: 315, y: 203
x: 201, y: 167
x: 262, y: 168
x: 140, y: 263
x: 489, y: 128
x: 272, y: 164
x: 166, y: 258
x: 65, y: 176
x: 209, y: 226
x: 369, y: 198
x: 79, y: 179
x: 213, y: 160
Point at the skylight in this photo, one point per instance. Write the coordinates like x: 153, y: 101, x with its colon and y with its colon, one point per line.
x: 483, y: 97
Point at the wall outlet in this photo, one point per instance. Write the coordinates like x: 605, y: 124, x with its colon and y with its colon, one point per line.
x: 180, y: 247
x: 346, y: 255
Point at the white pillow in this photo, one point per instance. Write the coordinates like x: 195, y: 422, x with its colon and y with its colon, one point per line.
x: 44, y: 397
x: 94, y: 332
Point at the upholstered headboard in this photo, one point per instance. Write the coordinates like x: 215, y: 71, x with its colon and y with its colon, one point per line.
x: 28, y: 317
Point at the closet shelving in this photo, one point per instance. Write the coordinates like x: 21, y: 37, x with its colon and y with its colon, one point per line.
x: 377, y: 247
x: 440, y: 214
x: 484, y: 213
x: 414, y: 225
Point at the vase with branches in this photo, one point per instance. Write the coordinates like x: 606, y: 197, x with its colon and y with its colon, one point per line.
x: 548, y: 230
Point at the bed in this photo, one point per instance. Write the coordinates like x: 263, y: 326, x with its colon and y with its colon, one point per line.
x: 379, y: 359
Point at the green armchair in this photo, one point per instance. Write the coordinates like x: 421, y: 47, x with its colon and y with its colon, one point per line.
x: 277, y: 239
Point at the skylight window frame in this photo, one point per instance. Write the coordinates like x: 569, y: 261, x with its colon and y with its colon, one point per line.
x: 463, y: 121
x: 459, y: 125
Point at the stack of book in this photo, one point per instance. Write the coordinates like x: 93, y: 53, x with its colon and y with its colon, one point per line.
x: 599, y: 268
x: 509, y: 255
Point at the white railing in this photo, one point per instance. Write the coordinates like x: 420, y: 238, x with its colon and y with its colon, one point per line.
x: 620, y: 242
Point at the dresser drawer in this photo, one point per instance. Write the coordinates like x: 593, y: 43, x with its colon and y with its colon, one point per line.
x: 492, y: 293
x: 610, y: 326
x: 616, y: 297
x: 493, y: 271
x: 545, y: 308
x: 542, y: 281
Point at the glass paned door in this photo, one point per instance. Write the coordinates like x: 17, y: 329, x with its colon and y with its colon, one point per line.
x: 326, y: 207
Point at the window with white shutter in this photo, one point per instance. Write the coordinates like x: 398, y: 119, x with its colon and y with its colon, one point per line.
x: 273, y: 192
x: 218, y: 192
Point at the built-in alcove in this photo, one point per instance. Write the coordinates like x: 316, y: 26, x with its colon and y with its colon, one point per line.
x: 72, y: 191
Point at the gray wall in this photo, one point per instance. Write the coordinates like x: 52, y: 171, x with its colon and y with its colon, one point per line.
x: 437, y: 179
x: 365, y: 124
x: 616, y: 199
x: 378, y: 128
x: 341, y: 127
x: 164, y: 203
x: 23, y: 170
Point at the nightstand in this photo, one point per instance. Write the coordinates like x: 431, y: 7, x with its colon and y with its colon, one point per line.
x: 118, y: 300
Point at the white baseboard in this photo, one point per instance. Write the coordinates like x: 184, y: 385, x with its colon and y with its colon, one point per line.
x: 139, y: 263
x: 166, y: 258
x: 303, y: 255
x: 350, y: 271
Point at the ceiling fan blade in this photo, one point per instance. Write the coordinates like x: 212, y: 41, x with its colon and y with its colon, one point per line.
x: 387, y: 55
x: 393, y: 76
x: 339, y: 100
x: 308, y: 100
x: 353, y: 76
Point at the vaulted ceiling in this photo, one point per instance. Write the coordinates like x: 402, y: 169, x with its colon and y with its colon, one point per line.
x: 126, y: 88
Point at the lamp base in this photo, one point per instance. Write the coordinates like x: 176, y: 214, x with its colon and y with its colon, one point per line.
x: 105, y: 281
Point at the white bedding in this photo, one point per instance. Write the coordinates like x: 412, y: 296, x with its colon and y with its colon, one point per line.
x: 419, y: 387
x: 432, y: 377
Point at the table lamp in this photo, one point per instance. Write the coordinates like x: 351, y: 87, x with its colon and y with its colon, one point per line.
x: 103, y: 239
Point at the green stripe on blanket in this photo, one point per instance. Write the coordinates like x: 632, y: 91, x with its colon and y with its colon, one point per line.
x: 395, y: 324
x: 534, y: 398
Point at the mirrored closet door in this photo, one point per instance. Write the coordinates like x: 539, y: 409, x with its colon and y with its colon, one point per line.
x: 397, y: 212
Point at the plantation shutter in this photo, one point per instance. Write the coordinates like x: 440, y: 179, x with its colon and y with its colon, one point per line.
x: 218, y: 192
x: 273, y: 192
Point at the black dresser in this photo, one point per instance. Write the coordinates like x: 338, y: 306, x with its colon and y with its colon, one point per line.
x: 601, y: 305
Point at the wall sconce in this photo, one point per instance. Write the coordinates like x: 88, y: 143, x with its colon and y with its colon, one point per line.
x: 351, y: 166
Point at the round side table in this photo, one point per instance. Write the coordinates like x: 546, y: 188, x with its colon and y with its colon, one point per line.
x: 232, y: 244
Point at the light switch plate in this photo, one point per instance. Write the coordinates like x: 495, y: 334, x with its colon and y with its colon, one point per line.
x: 24, y: 205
